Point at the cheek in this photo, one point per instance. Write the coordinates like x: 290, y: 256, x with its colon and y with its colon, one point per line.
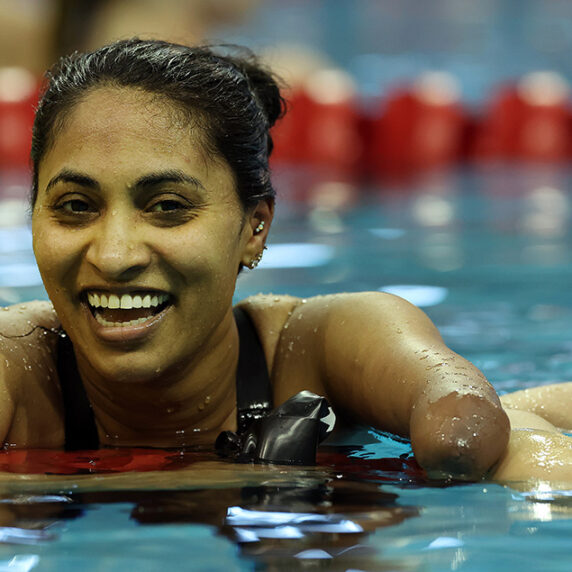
x: 51, y: 252
x: 42, y: 245
x: 213, y: 249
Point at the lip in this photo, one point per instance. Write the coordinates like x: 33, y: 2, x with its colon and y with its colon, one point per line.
x: 121, y: 290
x: 124, y: 334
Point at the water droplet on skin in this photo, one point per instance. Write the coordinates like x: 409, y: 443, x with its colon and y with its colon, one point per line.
x: 207, y: 399
x: 201, y: 406
x: 170, y: 409
x: 290, y: 346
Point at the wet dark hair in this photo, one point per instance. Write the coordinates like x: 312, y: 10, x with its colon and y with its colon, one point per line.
x: 233, y: 99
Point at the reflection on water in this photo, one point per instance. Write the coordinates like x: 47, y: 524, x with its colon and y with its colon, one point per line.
x: 355, y: 510
x: 292, y: 518
x: 279, y: 525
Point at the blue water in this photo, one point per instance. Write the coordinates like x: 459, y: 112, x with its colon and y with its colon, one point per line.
x: 487, y: 255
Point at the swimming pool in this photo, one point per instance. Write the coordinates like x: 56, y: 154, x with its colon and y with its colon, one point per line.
x: 484, y: 251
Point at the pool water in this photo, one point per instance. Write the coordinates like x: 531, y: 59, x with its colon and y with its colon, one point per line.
x: 485, y: 252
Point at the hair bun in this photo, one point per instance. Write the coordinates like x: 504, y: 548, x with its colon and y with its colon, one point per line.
x: 265, y: 85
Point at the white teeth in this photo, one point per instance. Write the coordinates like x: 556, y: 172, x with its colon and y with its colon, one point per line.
x: 126, y: 301
x: 113, y: 302
x: 94, y: 300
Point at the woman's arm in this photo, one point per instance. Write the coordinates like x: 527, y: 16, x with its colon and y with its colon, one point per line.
x: 30, y: 401
x: 537, y: 452
x: 381, y: 361
x: 552, y: 402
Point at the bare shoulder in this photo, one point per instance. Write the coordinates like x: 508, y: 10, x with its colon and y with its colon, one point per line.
x: 348, y: 314
x: 353, y: 302
x: 28, y: 333
x: 341, y: 316
x: 270, y: 313
x: 19, y: 319
x: 305, y: 339
x: 28, y: 342
x: 392, y: 310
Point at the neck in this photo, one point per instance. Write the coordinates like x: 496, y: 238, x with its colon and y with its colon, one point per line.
x: 187, y: 405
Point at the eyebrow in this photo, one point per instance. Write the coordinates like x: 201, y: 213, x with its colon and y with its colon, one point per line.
x: 68, y: 176
x: 169, y: 176
x: 145, y: 182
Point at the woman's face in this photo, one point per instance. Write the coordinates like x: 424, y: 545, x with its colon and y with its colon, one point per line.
x: 138, y: 235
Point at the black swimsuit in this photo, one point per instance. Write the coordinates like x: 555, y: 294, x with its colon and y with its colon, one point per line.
x: 253, y: 390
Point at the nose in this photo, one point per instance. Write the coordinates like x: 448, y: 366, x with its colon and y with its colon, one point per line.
x: 117, y: 248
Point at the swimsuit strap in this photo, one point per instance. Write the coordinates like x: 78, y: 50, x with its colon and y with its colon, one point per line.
x: 253, y: 389
x: 79, y: 420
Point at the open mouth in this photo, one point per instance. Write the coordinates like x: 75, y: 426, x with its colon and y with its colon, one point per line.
x: 114, y: 310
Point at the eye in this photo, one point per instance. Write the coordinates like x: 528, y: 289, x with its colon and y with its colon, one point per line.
x: 171, y: 209
x: 74, y: 206
x: 168, y: 205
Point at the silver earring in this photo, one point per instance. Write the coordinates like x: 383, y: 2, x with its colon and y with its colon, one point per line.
x: 256, y: 260
x: 259, y: 228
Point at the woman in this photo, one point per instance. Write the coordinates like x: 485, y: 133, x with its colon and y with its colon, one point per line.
x: 151, y: 191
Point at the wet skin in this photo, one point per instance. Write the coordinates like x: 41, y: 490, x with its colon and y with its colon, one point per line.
x: 129, y: 203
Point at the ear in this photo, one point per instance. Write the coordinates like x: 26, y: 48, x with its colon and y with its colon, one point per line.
x: 257, y: 227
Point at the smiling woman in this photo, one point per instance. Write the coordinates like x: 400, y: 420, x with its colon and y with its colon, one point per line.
x: 151, y: 191
x: 134, y: 231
